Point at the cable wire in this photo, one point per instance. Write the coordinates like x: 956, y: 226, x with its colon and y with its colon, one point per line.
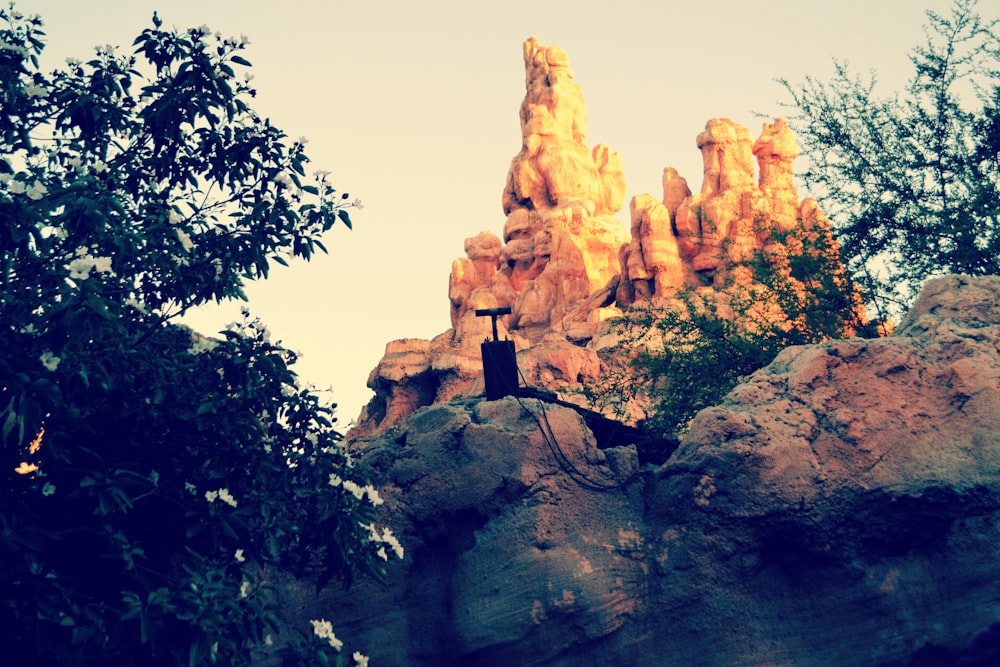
x: 549, y: 437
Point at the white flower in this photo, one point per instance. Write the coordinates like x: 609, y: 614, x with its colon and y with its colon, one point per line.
x: 185, y: 239
x: 303, y: 141
x: 244, y: 588
x: 373, y: 497
x: 360, y: 660
x: 354, y: 489
x: 313, y: 438
x: 324, y: 630
x: 287, y: 390
x: 16, y: 187
x: 80, y: 268
x: 335, y: 479
x: 393, y: 543
x: 358, y: 205
x: 174, y: 217
x: 226, y: 497
x: 49, y: 360
x: 239, y: 556
x: 268, y: 640
x: 382, y: 554
x: 100, y: 167
x: 102, y: 264
x: 48, y: 489
x: 210, y: 496
x: 36, y: 191
x: 385, y: 538
x: 320, y: 175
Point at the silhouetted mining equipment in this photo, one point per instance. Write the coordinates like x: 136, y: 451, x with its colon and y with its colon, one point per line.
x: 501, y: 378
x: 499, y: 359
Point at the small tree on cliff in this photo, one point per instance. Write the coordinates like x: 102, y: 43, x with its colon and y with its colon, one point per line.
x: 681, y: 354
x: 911, y: 181
x: 153, y: 478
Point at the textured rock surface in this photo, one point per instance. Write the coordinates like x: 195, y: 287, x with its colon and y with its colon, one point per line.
x: 565, y: 264
x: 509, y: 560
x: 560, y: 250
x: 840, y: 507
x: 555, y: 166
x: 695, y: 240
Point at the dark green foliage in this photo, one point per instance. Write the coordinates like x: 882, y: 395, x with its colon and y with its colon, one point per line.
x: 910, y: 181
x: 680, y: 355
x: 153, y: 479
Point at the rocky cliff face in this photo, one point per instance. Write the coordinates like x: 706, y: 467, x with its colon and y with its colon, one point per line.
x: 840, y: 507
x: 565, y: 265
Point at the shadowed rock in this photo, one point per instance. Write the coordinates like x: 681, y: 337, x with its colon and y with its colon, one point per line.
x: 839, y: 507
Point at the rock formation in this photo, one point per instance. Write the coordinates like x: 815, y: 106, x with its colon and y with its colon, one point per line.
x: 565, y: 264
x: 559, y: 252
x: 840, y: 507
x: 687, y: 241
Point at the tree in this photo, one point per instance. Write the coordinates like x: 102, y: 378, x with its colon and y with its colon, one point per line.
x: 679, y: 355
x: 155, y: 479
x: 910, y: 181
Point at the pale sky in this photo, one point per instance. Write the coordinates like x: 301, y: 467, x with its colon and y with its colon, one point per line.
x: 413, y: 107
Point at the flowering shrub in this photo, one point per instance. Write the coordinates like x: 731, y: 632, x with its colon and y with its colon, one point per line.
x: 153, y: 478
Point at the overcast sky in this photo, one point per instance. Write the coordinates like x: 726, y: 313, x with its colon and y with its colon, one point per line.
x: 413, y: 107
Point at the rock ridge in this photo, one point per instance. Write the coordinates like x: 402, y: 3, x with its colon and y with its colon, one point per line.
x: 840, y: 506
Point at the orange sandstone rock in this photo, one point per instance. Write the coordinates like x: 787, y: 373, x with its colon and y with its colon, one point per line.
x: 565, y: 264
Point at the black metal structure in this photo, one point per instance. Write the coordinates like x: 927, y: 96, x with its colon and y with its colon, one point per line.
x: 499, y: 360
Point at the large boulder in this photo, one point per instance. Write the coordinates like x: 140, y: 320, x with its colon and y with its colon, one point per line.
x: 839, y: 507
x: 520, y: 535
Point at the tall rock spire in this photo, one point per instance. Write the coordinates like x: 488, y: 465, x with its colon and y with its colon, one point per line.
x: 555, y: 166
x: 556, y: 266
x: 564, y: 264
